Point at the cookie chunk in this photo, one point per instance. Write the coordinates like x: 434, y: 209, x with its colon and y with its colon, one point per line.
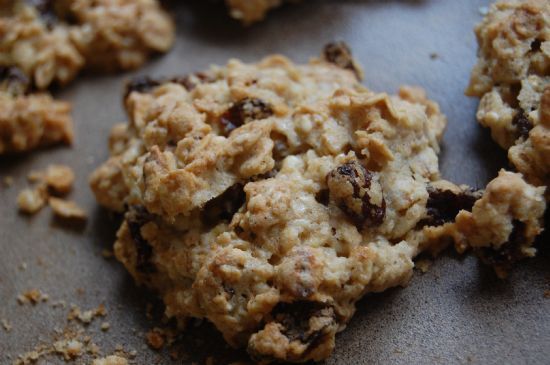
x: 270, y: 197
x: 51, y: 41
x: 120, y: 34
x: 251, y: 11
x: 45, y: 42
x: 512, y: 78
x: 28, y: 121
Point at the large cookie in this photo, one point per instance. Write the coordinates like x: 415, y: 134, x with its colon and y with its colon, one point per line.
x: 268, y: 198
x: 512, y: 78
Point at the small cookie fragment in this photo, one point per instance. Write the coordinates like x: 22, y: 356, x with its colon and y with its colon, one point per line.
x: 155, y: 339
x: 66, y: 209
x: 504, y: 223
x: 28, y: 122
x: 70, y: 349
x: 30, y: 201
x: 59, y: 178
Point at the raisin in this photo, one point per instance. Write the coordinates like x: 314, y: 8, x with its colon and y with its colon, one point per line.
x: 136, y: 217
x: 193, y: 80
x: 141, y: 84
x: 339, y: 54
x: 294, y: 317
x: 522, y: 123
x: 244, y: 111
x: 509, y: 252
x: 13, y: 81
x: 357, y: 202
x: 224, y: 206
x: 444, y: 205
x: 535, y: 45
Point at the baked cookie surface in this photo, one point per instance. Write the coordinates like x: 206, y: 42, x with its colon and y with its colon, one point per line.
x: 512, y: 78
x: 268, y: 198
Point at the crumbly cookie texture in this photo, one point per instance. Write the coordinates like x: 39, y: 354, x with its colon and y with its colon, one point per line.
x: 252, y: 11
x: 268, y: 198
x: 512, y: 78
x: 51, y: 41
x: 28, y: 121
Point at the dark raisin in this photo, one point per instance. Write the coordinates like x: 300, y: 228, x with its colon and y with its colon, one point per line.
x: 509, y: 252
x: 323, y: 197
x: 356, y: 202
x: 13, y: 81
x: 136, y: 217
x: 141, y: 84
x: 339, y: 54
x: 535, y: 45
x: 191, y: 81
x: 244, y: 111
x: 444, y: 205
x: 294, y: 317
x: 522, y: 123
x: 224, y: 206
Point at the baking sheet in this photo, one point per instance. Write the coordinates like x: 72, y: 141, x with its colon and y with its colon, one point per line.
x: 456, y: 313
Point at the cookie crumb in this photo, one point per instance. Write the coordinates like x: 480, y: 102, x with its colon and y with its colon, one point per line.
x: 59, y: 178
x: 30, y: 201
x: 105, y: 326
x: 70, y: 349
x: 547, y: 294
x: 423, y: 265
x: 66, y: 209
x: 32, y: 296
x: 8, y: 181
x: 434, y: 56
x: 107, y: 254
x: 23, y: 266
x: 155, y: 339
x: 7, y: 326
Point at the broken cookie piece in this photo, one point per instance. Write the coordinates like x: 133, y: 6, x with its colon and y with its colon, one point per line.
x: 502, y: 226
x: 52, y: 41
x: 512, y: 78
x: 29, y: 121
x: 66, y: 209
x: 270, y: 197
x: 30, y: 201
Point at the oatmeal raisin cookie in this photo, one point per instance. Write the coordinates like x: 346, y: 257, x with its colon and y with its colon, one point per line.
x: 269, y: 198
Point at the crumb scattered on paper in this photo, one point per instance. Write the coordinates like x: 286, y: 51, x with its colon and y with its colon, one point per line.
x: 66, y: 209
